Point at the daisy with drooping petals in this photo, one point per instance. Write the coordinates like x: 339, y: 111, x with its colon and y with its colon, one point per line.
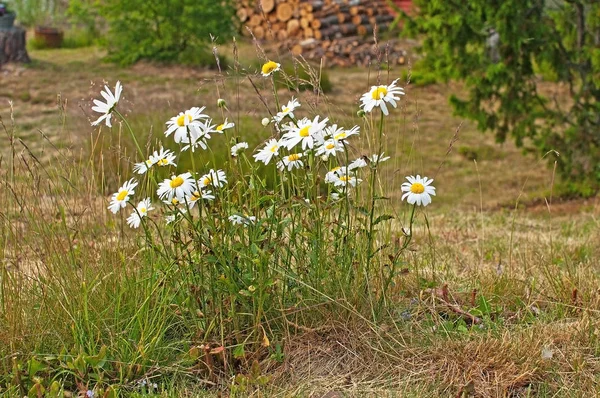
x: 106, y: 108
x: 225, y: 126
x: 269, y: 68
x: 379, y: 95
x: 142, y: 209
x: 177, y: 187
x: 238, y: 148
x: 266, y: 154
x: 306, y: 132
x: 182, y: 124
x: 287, y: 110
x: 215, y: 178
x: 418, y: 190
x: 292, y: 161
x: 121, y: 197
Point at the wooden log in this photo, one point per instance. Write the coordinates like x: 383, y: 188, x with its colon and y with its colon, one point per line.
x: 281, y: 34
x: 259, y: 32
x: 304, y: 23
x: 267, y: 5
x: 255, y: 20
x: 293, y: 26
x: 284, y: 12
x: 242, y: 14
x: 12, y: 45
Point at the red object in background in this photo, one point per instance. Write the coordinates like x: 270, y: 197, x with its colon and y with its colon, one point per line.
x: 404, y: 5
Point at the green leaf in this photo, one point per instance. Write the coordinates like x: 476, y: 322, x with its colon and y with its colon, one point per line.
x: 383, y: 217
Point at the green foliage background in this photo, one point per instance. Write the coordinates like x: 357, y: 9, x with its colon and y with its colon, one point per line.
x: 560, y: 37
x: 165, y: 30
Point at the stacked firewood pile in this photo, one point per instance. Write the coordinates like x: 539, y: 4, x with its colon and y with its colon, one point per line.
x: 340, y: 30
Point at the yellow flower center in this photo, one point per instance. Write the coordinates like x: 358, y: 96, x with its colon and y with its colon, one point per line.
x: 417, y: 188
x: 304, y: 131
x: 345, y: 178
x: 163, y: 162
x: 143, y: 210
x: 122, y: 195
x: 149, y: 162
x: 175, y: 201
x: 181, y: 120
x: 269, y: 67
x: 293, y: 157
x: 340, y: 136
x: 220, y: 127
x: 176, y: 182
x: 206, y: 181
x: 335, y: 169
x: 379, y: 92
x: 329, y: 146
x: 286, y: 109
x: 274, y: 148
x: 195, y: 196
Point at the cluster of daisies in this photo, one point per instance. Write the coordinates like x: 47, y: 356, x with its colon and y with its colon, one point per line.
x: 297, y: 140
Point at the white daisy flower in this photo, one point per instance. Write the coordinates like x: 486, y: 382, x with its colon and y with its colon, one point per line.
x: 106, y: 108
x: 197, y: 195
x: 329, y: 148
x: 225, y: 126
x: 292, y: 161
x: 269, y: 68
x: 341, y: 177
x: 238, y: 148
x: 144, y: 166
x: 176, y: 187
x: 333, y: 174
x: 342, y: 135
x: 164, y: 157
x: 379, y: 95
x: 182, y: 124
x: 418, y: 190
x: 357, y: 164
x: 242, y: 220
x: 306, y: 132
x: 378, y: 158
x: 215, y: 178
x: 142, y: 209
x: 287, y: 110
x: 200, y: 133
x: 121, y: 197
x: 345, y: 180
x: 266, y: 154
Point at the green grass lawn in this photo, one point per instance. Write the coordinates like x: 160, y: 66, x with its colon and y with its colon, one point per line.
x: 495, y: 294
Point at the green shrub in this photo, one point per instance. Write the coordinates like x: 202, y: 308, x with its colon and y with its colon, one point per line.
x: 165, y: 30
x: 498, y: 49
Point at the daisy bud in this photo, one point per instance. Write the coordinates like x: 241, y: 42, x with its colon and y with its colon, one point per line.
x: 324, y: 158
x: 221, y: 103
x: 360, y: 113
x: 265, y: 122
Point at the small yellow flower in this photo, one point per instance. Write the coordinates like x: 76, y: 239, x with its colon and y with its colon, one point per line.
x: 270, y: 67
